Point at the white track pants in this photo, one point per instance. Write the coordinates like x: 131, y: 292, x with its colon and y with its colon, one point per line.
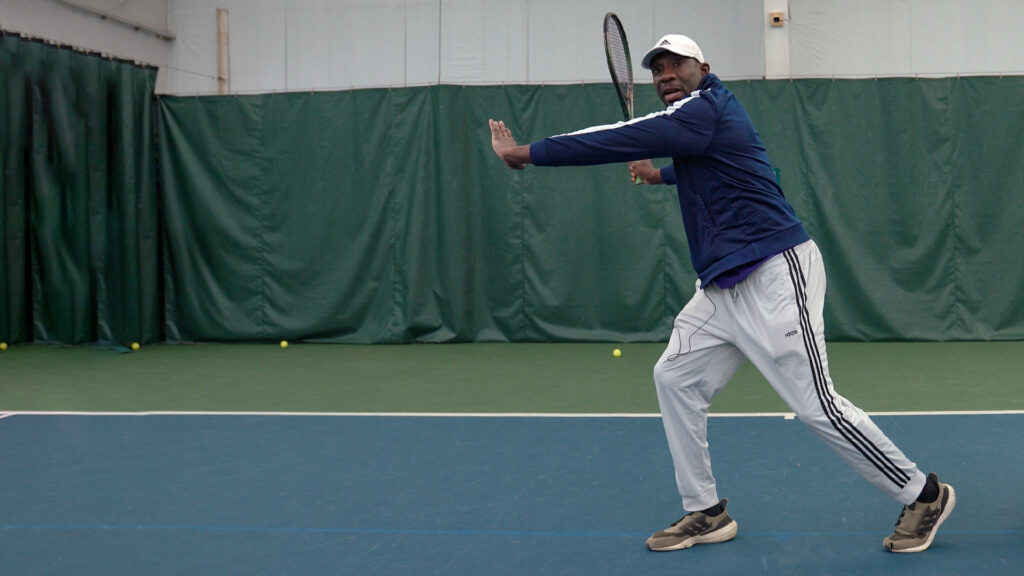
x: 774, y: 319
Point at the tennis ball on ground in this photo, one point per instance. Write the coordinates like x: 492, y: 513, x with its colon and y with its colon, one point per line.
x: 135, y: 346
x: 3, y: 345
x: 616, y: 352
x: 284, y: 343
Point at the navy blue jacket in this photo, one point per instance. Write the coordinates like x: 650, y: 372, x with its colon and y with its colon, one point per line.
x: 733, y: 208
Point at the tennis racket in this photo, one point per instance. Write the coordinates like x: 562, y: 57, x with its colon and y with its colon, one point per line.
x: 620, y: 66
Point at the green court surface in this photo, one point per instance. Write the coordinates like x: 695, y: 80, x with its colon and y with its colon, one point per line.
x: 485, y: 378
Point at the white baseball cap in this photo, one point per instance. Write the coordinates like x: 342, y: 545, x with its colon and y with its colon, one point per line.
x: 675, y: 43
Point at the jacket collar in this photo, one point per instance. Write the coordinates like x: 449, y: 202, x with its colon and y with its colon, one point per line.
x: 709, y: 81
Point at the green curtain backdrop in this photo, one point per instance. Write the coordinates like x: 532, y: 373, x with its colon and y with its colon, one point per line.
x: 914, y: 188
x: 78, y: 207
x: 382, y: 216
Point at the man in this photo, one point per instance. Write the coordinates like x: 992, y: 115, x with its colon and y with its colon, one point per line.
x: 759, y: 296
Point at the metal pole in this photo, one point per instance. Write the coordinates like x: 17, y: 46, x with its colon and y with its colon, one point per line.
x: 223, y: 55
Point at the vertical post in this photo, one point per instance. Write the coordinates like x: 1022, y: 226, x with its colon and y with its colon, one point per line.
x: 776, y: 39
x: 223, y: 56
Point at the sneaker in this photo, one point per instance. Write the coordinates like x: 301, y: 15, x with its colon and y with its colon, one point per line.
x: 694, y: 528
x: 918, y: 523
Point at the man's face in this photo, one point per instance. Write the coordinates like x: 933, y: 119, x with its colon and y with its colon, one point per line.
x: 676, y: 76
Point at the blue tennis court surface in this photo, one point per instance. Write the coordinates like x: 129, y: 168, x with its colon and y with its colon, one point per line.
x: 311, y: 495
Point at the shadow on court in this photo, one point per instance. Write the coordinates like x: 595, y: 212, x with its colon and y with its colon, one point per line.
x: 310, y: 495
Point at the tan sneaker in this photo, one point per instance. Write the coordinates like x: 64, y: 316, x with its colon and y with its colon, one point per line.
x: 695, y: 528
x: 918, y: 523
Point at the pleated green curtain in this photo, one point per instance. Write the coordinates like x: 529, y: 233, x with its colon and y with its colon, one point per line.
x: 78, y: 198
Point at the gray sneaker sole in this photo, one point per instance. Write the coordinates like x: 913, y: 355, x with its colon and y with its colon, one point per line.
x: 727, y: 532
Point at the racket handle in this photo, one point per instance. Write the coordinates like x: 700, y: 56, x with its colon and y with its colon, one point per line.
x: 638, y: 180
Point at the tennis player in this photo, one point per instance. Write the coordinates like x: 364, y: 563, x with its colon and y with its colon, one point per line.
x: 760, y: 294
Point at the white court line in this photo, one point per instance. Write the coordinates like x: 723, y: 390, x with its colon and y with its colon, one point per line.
x: 785, y: 415
x: 351, y: 414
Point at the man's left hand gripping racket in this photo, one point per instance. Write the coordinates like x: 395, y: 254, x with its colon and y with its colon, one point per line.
x: 616, y: 49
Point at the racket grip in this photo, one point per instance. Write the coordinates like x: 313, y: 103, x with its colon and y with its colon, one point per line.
x: 638, y: 181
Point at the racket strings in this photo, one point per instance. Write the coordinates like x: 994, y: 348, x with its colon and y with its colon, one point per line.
x: 619, y: 60
x: 617, y: 50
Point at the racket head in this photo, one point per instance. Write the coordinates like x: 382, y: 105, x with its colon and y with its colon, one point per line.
x: 620, y: 65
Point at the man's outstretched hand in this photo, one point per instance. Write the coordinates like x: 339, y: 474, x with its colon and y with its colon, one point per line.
x: 515, y: 156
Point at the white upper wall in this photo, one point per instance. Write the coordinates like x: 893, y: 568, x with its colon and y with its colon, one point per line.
x: 278, y: 45
x: 339, y: 44
x: 906, y: 37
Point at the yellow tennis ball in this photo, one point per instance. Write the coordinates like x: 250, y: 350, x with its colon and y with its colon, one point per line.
x: 135, y: 346
x: 616, y: 352
x: 3, y: 345
x: 284, y: 343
